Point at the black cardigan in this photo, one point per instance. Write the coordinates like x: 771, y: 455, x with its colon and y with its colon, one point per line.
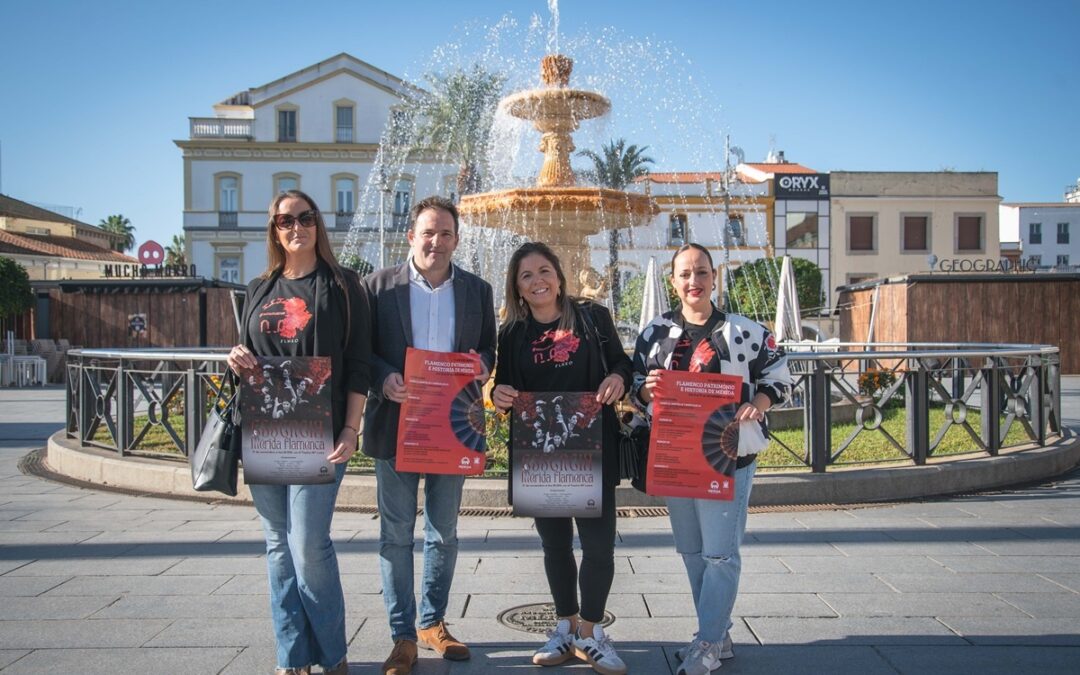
x: 512, y: 340
x: 349, y: 347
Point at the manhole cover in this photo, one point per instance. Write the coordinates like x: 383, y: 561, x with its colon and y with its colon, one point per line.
x: 538, y: 618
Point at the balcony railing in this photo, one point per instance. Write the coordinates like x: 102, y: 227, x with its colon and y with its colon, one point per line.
x: 224, y: 128
x: 344, y: 135
x: 227, y: 219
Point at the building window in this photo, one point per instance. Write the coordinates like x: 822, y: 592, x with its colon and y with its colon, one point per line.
x: 1063, y: 233
x: 736, y: 232
x: 343, y: 117
x: 859, y: 277
x: 915, y: 231
x: 1035, y: 233
x: 286, y: 126
x: 344, y: 195
x: 1063, y: 261
x: 677, y: 229
x: 286, y: 182
x: 969, y: 233
x: 402, y: 204
x: 228, y: 193
x: 802, y: 230
x: 229, y: 268
x: 860, y: 233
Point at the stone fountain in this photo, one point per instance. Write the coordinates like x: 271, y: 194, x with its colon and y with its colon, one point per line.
x: 556, y: 211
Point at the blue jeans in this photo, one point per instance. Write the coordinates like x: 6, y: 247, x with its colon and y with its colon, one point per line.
x: 397, y: 496
x: 708, y: 533
x: 306, y: 601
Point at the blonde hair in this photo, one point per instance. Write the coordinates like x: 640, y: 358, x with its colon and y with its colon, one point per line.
x: 516, y: 308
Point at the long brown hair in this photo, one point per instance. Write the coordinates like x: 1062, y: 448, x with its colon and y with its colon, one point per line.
x: 516, y: 307
x: 275, y: 254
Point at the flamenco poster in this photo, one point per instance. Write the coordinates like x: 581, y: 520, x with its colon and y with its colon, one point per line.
x: 441, y: 429
x: 694, y: 444
x: 556, y: 468
x: 287, y: 427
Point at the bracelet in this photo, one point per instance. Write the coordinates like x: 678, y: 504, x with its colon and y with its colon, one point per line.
x: 355, y: 430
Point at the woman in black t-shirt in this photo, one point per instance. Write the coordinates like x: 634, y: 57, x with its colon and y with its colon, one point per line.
x: 305, y: 304
x: 551, y: 343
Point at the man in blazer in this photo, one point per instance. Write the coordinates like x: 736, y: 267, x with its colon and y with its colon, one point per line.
x: 429, y: 303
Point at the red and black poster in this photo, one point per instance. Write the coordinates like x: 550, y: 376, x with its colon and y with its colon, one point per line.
x: 441, y: 429
x: 557, y: 468
x: 694, y: 445
x: 287, y: 424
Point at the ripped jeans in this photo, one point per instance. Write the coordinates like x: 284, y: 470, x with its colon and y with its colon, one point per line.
x: 708, y: 533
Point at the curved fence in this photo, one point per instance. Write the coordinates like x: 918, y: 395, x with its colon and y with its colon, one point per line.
x: 853, y: 403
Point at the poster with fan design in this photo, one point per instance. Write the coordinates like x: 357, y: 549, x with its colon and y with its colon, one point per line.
x: 694, y: 445
x: 441, y: 429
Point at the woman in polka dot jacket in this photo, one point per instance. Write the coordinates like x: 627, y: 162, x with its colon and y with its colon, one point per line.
x: 698, y: 337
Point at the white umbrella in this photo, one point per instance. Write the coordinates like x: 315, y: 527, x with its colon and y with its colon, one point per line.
x: 788, y: 325
x: 654, y: 298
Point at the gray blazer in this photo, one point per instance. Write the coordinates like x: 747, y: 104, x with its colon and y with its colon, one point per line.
x: 388, y: 295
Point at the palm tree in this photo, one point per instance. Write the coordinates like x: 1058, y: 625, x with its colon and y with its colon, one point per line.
x: 456, y: 120
x: 174, y: 252
x: 616, y: 168
x: 120, y: 225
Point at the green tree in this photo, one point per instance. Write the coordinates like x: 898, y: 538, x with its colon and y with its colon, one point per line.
x: 118, y: 224
x: 455, y: 119
x: 754, y: 287
x: 354, y: 262
x: 629, y: 308
x: 174, y: 252
x: 15, y: 294
x: 616, y: 167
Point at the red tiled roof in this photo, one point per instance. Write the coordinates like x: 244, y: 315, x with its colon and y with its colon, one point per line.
x: 776, y: 167
x: 13, y: 208
x: 60, y: 247
x: 680, y: 177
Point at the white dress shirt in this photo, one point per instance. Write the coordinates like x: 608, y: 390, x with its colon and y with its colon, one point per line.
x: 432, y: 311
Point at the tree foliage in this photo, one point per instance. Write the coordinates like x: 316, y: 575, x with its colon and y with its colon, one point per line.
x: 617, y: 165
x: 754, y: 287
x: 16, y: 295
x: 455, y: 118
x: 174, y: 252
x: 118, y: 224
x: 354, y: 262
x: 633, y: 292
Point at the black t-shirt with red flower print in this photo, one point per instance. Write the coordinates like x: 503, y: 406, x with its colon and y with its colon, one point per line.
x: 284, y: 324
x: 553, y: 359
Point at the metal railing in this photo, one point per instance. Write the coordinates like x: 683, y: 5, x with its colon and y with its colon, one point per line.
x: 116, y: 397
x: 225, y: 128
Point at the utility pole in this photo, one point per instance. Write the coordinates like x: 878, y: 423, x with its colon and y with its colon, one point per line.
x: 726, y: 299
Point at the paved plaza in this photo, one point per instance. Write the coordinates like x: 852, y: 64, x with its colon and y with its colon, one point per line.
x: 99, y: 582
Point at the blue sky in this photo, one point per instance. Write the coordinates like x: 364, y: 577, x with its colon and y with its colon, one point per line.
x: 92, y: 94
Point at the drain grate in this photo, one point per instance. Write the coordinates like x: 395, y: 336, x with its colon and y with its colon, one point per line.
x: 538, y: 618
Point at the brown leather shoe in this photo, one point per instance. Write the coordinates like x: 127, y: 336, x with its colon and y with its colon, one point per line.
x: 438, y: 638
x: 401, y: 660
x: 341, y: 668
x: 306, y: 670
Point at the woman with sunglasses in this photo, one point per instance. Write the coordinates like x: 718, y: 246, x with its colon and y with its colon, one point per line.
x: 305, y: 304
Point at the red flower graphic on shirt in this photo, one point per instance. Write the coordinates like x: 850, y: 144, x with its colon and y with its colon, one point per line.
x: 296, y: 317
x: 556, y: 346
x: 702, y: 356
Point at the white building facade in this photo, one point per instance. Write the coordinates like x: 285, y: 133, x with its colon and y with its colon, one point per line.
x: 1049, y: 233
x: 316, y: 130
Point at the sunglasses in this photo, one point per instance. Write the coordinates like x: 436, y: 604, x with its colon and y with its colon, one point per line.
x: 286, y: 221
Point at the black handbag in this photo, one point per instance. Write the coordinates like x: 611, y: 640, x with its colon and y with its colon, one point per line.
x: 215, y: 462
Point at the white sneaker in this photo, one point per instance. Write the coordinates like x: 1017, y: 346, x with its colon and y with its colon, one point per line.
x: 599, y: 652
x: 702, y: 658
x: 558, y: 649
x: 727, y: 649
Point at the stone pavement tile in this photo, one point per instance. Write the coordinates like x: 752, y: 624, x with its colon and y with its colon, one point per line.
x: 46, y: 608
x: 857, y: 631
x: 256, y: 584
x: 934, y: 660
x: 811, y: 583
x: 110, y: 661
x: 223, y: 526
x: 752, y: 548
x: 773, y: 659
x: 212, y: 631
x: 1045, y: 564
x: 87, y: 634
x: 10, y: 539
x: 9, y: 656
x: 1002, y: 631
x: 140, y: 585
x: 526, y: 583
x: 14, y: 587
x: 1070, y: 581
x: 773, y: 521
x: 748, y: 605
x: 14, y: 564
x: 931, y: 549
x: 105, y: 522
x: 190, y: 548
x: 181, y: 606
x: 66, y: 513
x: 256, y: 661
x: 1035, y: 547
x: 245, y: 564
x: 861, y: 564
x: 195, y: 539
x: 188, y: 511
x: 533, y: 565
x: 673, y: 564
x: 1046, y: 605
x: 622, y: 605
x: 919, y: 604
x: 122, y: 566
x: 13, y: 514
x: 948, y: 582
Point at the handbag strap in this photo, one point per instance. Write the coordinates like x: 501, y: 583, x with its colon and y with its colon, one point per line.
x: 590, y: 326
